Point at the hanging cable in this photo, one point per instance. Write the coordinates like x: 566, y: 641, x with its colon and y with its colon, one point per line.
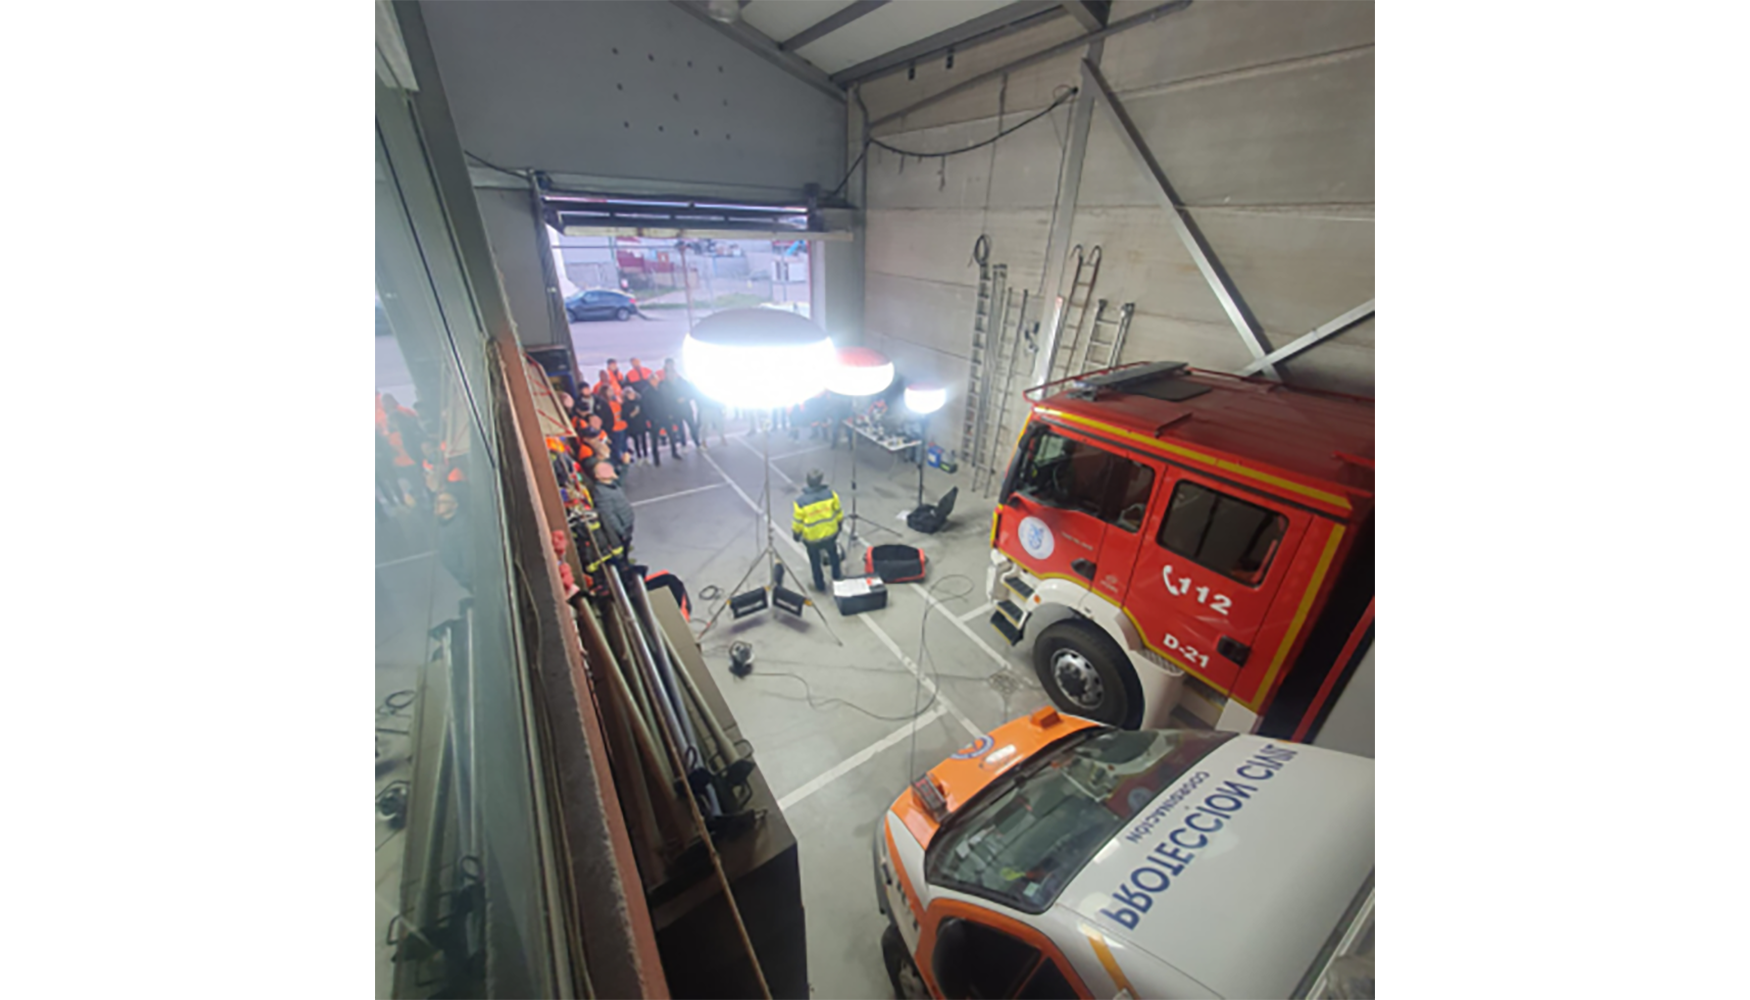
x: 1066, y: 95
x: 872, y: 141
x: 483, y: 161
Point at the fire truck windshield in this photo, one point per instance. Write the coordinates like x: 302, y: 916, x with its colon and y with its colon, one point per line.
x: 1027, y: 835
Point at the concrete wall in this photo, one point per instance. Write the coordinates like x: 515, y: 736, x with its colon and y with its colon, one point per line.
x: 1349, y: 727
x: 1261, y: 115
x: 516, y: 249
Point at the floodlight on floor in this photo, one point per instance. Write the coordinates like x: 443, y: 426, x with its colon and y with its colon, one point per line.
x: 858, y: 372
x: 760, y: 359
x: 923, y: 399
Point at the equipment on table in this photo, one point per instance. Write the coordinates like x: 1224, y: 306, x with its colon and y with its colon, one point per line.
x: 930, y: 518
x: 895, y: 563
x: 859, y: 595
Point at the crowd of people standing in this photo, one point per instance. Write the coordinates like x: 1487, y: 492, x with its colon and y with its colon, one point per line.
x: 628, y: 417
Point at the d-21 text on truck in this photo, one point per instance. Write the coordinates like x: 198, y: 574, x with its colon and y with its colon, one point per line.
x: 1169, y: 535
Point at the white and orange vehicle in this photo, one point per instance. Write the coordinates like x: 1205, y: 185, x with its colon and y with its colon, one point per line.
x: 1165, y: 532
x: 1057, y: 857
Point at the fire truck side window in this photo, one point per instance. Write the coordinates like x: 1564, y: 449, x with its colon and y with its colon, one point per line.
x: 973, y: 960
x: 1221, y: 533
x: 1132, y: 483
x: 1072, y: 475
x: 1060, y: 472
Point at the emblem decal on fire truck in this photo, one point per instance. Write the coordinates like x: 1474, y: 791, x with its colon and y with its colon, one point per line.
x: 1035, y: 537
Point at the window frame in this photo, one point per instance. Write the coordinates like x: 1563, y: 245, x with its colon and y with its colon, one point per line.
x: 1108, y: 506
x: 1276, y: 517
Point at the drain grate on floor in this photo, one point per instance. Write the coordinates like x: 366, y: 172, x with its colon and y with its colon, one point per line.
x: 1006, y: 682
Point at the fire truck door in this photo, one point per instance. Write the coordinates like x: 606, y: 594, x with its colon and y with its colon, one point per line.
x: 1130, y: 487
x: 1210, y: 562
x: 1060, y: 492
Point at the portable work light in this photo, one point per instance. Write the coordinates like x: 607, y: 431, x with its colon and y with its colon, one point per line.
x: 760, y: 359
x: 756, y: 359
x: 859, y: 371
x: 924, y: 398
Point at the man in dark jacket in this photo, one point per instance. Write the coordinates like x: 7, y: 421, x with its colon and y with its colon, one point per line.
x: 683, y: 400
x: 659, y: 409
x: 815, y: 523
x: 611, y: 503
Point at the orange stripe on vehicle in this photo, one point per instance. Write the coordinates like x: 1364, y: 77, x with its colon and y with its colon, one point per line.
x: 1220, y: 463
x: 1300, y: 613
x: 1107, y: 959
x: 911, y: 899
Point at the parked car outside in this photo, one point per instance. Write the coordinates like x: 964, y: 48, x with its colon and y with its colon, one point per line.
x: 600, y: 304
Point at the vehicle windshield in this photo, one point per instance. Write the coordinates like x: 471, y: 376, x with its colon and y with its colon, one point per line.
x: 1022, y: 840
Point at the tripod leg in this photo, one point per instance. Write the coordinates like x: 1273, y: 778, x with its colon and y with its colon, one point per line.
x: 757, y: 560
x: 811, y: 602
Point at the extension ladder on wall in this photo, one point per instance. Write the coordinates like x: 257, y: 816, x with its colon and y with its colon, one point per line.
x: 1101, y: 352
x: 987, y: 331
x: 1018, y: 340
x: 1066, y: 340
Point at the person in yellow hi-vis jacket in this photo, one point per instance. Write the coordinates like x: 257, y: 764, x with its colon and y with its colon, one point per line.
x: 816, y: 525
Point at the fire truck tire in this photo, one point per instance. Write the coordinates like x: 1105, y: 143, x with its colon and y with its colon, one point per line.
x: 908, y: 984
x: 1085, y: 673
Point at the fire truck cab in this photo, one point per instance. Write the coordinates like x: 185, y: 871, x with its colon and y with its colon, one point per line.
x: 1174, y: 536
x: 1054, y: 857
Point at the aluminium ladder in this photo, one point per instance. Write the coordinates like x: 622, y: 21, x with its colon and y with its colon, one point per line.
x: 1072, y: 318
x: 987, y: 332
x: 1102, y: 352
x: 1002, y: 405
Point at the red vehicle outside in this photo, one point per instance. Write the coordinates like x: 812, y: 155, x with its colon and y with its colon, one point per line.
x: 1172, y: 534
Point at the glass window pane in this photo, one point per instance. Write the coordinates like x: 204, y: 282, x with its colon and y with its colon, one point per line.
x: 1022, y: 845
x: 1132, y: 485
x: 1066, y: 473
x: 1222, y: 533
x: 975, y: 960
x: 462, y: 859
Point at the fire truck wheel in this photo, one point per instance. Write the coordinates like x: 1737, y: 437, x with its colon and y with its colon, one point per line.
x: 1086, y: 674
x: 907, y: 983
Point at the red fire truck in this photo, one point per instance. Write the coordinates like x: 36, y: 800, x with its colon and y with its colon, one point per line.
x: 1171, y: 536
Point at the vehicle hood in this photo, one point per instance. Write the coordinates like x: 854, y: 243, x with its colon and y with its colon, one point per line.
x: 1237, y: 874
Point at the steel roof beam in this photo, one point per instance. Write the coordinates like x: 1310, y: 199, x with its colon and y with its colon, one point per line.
x: 1146, y: 17
x: 1091, y: 16
x: 1184, y: 226
x: 985, y: 27
x: 1311, y: 337
x: 827, y: 25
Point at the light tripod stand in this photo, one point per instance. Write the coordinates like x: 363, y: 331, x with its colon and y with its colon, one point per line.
x: 773, y: 592
x: 853, y: 519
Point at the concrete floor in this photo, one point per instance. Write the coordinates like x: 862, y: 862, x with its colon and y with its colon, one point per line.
x: 836, y: 765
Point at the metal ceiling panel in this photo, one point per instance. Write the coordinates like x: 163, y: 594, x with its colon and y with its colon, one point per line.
x: 893, y: 26
x: 780, y: 19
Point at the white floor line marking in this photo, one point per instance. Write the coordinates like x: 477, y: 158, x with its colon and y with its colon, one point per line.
x: 756, y: 451
x: 738, y: 491
x: 405, y: 559
x: 880, y: 633
x: 860, y: 758
x: 682, y: 493
x: 928, y: 684
x: 1000, y: 660
x: 975, y: 612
